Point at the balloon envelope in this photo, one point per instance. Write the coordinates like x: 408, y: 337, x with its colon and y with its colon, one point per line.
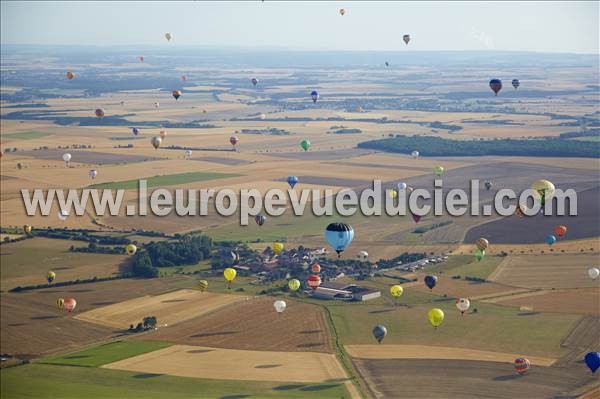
x: 99, y: 112
x: 305, y: 144
x: 406, y: 39
x: 279, y: 306
x: 592, y: 360
x: 292, y: 181
x: 521, y: 365
x: 379, y: 332
x: 594, y: 272
x: 316, y: 268
x: 438, y: 170
x: 560, y: 231
x: 50, y: 276
x: 176, y: 94
x: 496, y: 85
x: 202, y: 285
x: 430, y: 281
x: 260, y: 219
x: 516, y: 83
x: 70, y: 75
x: 229, y: 274
x: 436, y: 317
x: 70, y: 304
x: 463, y: 304
x: 482, y: 243
x: 277, y: 248
x: 550, y: 239
x: 66, y: 157
x: 294, y: 285
x: 131, y: 249
x: 314, y: 281
x: 415, y: 154
x: 479, y: 255
x: 156, y: 141
x: 396, y: 290
x: 135, y: 131
x: 544, y: 190
x: 314, y: 95
x: 339, y: 236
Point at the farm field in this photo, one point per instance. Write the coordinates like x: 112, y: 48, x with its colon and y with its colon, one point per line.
x: 169, y: 308
x: 251, y: 325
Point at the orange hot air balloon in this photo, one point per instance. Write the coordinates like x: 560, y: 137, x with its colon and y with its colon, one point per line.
x: 70, y: 304
x: 316, y: 268
x: 70, y: 75
x: 560, y: 231
x: 314, y: 281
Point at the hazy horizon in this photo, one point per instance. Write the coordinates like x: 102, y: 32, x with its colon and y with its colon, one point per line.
x: 309, y: 26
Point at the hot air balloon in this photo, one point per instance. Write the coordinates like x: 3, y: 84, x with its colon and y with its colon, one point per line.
x: 315, y: 268
x: 593, y: 272
x: 131, y: 249
x: 544, y: 190
x: 93, y: 173
x: 69, y: 304
x: 141, y: 58
x: 463, y: 304
x: 416, y: 218
x: 406, y: 39
x: 482, y: 243
x: 233, y: 140
x: 438, y: 170
x: 188, y: 153
x: 314, y: 281
x: 260, y: 219
x: 314, y: 95
x: 305, y: 144
x: 176, y: 94
x: 560, y: 231
x: 277, y: 248
x: 522, y: 365
x: 550, y: 239
x: 229, y: 274
x: 292, y: 181
x: 156, y: 141
x: 415, y: 154
x: 27, y: 229
x: 99, y: 113
x: 70, y: 75
x: 516, y: 83
x: 342, y: 12
x: 279, y: 306
x: 592, y: 360
x: 60, y: 303
x: 63, y: 215
x: 168, y: 36
x: 387, y: 64
x: 294, y: 285
x: 379, y: 332
x: 183, y: 77
x: 479, y: 255
x: 135, y: 131
x: 436, y: 317
x: 50, y: 276
x: 496, y: 85
x: 402, y: 186
x: 520, y: 211
x: 488, y: 184
x: 393, y: 194
x: 396, y: 290
x: 339, y: 236
x: 202, y: 285
x: 363, y: 256
x: 162, y: 134
x: 67, y: 158
x: 254, y: 81
x: 20, y: 165
x: 430, y: 281
x: 156, y: 104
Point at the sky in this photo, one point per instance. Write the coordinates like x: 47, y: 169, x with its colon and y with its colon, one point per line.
x: 561, y: 27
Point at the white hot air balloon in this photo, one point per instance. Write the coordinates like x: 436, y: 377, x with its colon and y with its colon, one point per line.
x: 594, y: 272
x: 63, y: 215
x: 93, y: 173
x: 363, y: 256
x: 279, y: 306
x: 188, y: 154
x: 463, y: 304
x: 415, y: 154
x: 67, y: 158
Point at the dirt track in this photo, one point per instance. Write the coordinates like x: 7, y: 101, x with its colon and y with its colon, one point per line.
x: 462, y: 379
x: 230, y: 364
x: 254, y: 324
x: 168, y: 308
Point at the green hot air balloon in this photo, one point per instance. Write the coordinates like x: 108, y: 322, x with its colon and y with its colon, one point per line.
x: 479, y: 254
x: 438, y: 170
x: 305, y: 144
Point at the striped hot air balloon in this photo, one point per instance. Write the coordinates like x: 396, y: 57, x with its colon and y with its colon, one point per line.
x: 522, y: 365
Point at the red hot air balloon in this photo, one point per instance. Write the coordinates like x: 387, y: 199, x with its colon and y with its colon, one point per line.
x: 69, y: 304
x: 316, y: 268
x: 560, y: 231
x: 234, y: 140
x: 522, y: 365
x: 314, y: 281
x: 99, y: 113
x: 496, y: 85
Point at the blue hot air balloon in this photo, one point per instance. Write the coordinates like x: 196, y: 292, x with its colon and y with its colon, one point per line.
x: 592, y: 359
x: 339, y: 236
x: 292, y: 180
x: 430, y: 281
x: 314, y: 95
x: 551, y: 239
x: 135, y: 131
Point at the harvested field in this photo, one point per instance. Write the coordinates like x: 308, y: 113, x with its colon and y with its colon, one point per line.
x: 462, y: 288
x: 222, y: 160
x: 329, y: 181
x: 439, y: 353
x: 34, y: 315
x: 230, y: 364
x: 460, y: 379
x: 169, y: 308
x: 547, y: 271
x: 88, y: 157
x: 322, y: 155
x: 582, y: 338
x: 582, y: 301
x: 254, y: 325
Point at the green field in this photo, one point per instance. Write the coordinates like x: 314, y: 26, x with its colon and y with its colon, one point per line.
x: 467, y: 265
x: 166, y: 180
x: 107, y: 353
x: 68, y: 382
x: 26, y: 135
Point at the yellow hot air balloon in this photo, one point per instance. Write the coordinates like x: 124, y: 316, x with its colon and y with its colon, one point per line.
x: 131, y: 249
x: 396, y: 290
x: 436, y: 317
x: 294, y: 285
x: 50, y: 276
x: 544, y: 190
x: 27, y: 229
x: 203, y: 285
x: 229, y: 274
x: 393, y: 194
x: 60, y: 303
x: 277, y: 248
